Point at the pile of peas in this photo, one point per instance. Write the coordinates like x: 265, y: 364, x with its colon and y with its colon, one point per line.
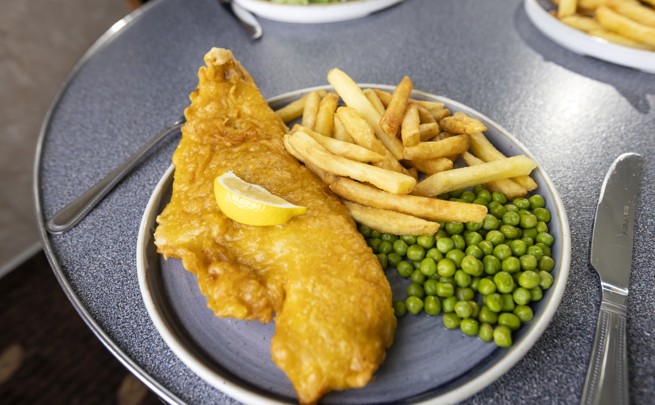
x: 481, y: 276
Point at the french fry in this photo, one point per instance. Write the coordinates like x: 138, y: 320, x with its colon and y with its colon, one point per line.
x: 432, y: 209
x: 325, y: 116
x: 432, y: 166
x: 395, y: 111
x: 312, y: 151
x: 449, y: 180
x: 353, y: 96
x: 385, y: 97
x: 311, y: 109
x: 582, y: 23
x: 339, y: 132
x: 392, y: 222
x: 509, y: 187
x: 375, y: 100
x: 439, y: 113
x: 341, y: 148
x: 294, y: 110
x: 566, y: 8
x: 619, y: 39
x: 410, y: 127
x: 453, y: 145
x: 460, y: 123
x: 424, y: 114
x: 428, y: 131
x: 485, y: 150
x: 620, y: 24
x: 362, y: 133
x: 634, y: 11
x: 327, y: 177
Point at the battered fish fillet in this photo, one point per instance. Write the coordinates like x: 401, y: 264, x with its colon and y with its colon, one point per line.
x: 330, y: 298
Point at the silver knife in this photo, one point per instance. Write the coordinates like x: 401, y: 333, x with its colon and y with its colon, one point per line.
x: 611, y: 256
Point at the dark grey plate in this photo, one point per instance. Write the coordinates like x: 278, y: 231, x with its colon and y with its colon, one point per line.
x: 427, y: 363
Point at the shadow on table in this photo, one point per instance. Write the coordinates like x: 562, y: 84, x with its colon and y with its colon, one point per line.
x: 635, y: 86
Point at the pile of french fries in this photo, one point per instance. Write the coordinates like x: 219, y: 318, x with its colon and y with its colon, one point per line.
x: 625, y: 22
x: 388, y: 155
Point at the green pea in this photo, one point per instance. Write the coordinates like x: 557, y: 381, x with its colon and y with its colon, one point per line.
x: 445, y: 290
x: 446, y: 267
x: 528, y: 241
x: 496, y: 237
x: 468, y: 196
x: 393, y: 259
x: 474, y: 251
x: 418, y: 277
x: 502, y: 336
x: 448, y: 304
x: 463, y: 309
x: 510, y: 320
x: 497, y: 210
x: 508, y: 303
x: 490, y: 222
x: 464, y: 293
x: 385, y: 247
x: 374, y: 243
x: 521, y: 296
x: 454, y: 228
x: 530, y: 233
x: 408, y: 239
x: 382, y: 258
x: 484, y: 194
x: 375, y: 234
x: 451, y: 320
x: 494, y: 302
x: 428, y: 267
x: 469, y: 327
x: 459, y: 242
x: 415, y: 290
x: 535, y: 251
x: 502, y: 251
x: 545, y: 238
x: 528, y: 262
x: 473, y: 226
x: 511, y: 207
x: 486, y: 286
x: 544, y: 248
x: 415, y: 253
x: 511, y: 218
x: 399, y: 308
x: 472, y: 238
x: 518, y: 247
x: 486, y: 247
x: 542, y: 214
x: 524, y: 313
x: 504, y: 282
x: 434, y: 254
x: 522, y: 203
x: 541, y: 227
x: 389, y: 237
x: 430, y: 287
x: 432, y: 305
x: 414, y: 305
x: 426, y: 241
x: 537, y: 201
x: 405, y: 269
x: 527, y: 221
x: 499, y: 197
x: 536, y: 293
x: 486, y: 332
x: 462, y: 279
x: 511, y: 265
x: 529, y: 279
x: 510, y: 231
x: 491, y: 264
x: 546, y: 280
x: 400, y: 247
x: 364, y: 230
x: 480, y: 201
x: 472, y: 266
x: 456, y: 255
x: 486, y: 315
x: 475, y: 282
x: 445, y: 244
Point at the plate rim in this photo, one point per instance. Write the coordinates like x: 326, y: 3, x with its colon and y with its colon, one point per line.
x: 584, y: 44
x: 315, y: 13
x: 465, y: 390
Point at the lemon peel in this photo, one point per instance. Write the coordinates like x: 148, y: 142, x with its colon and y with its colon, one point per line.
x: 252, y: 204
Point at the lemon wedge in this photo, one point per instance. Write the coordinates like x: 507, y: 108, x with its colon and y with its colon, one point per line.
x: 251, y: 204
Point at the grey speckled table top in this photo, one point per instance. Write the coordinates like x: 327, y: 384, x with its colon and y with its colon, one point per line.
x: 574, y: 113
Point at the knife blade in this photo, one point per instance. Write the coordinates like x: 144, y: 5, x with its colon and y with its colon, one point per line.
x: 611, y: 255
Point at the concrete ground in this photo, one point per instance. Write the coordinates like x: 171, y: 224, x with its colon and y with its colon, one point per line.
x: 40, y: 41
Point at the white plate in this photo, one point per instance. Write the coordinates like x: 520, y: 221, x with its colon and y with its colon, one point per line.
x: 579, y: 42
x: 315, y: 13
x: 234, y: 356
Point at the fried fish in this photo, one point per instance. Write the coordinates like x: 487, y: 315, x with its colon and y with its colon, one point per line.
x: 314, y: 275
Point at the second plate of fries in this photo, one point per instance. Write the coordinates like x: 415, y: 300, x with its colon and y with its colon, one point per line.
x: 617, y: 31
x: 380, y: 184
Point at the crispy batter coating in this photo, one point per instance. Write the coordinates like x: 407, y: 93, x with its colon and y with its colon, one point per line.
x: 315, y: 274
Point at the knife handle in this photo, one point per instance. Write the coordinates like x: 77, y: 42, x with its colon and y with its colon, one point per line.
x: 607, y: 375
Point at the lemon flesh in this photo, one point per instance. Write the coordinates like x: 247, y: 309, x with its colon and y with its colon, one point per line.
x: 251, y: 204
